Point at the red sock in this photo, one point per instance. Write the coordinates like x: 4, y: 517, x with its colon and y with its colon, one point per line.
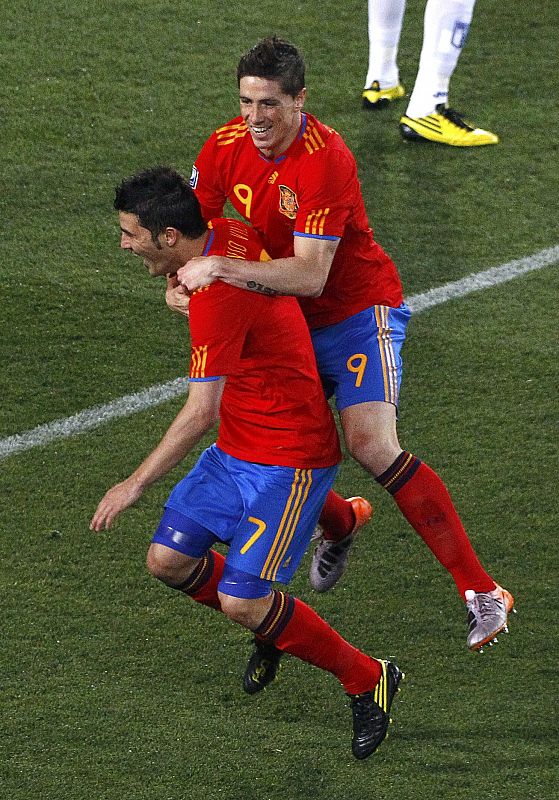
x: 425, y: 502
x: 293, y: 626
x: 336, y: 518
x: 201, y: 584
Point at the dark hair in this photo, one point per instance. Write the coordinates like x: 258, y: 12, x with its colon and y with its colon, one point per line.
x: 161, y: 198
x: 276, y: 60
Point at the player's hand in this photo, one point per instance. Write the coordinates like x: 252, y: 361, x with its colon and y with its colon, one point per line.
x: 121, y: 496
x: 176, y: 296
x: 200, y: 271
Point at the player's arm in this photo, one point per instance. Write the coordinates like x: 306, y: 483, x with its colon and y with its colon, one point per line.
x: 303, y: 274
x: 198, y: 415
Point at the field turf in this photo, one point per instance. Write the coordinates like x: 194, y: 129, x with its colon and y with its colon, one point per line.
x: 111, y: 686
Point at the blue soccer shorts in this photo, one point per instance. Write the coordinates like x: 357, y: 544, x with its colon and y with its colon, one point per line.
x: 359, y: 358
x: 265, y: 514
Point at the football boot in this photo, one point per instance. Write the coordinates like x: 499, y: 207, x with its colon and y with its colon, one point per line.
x: 371, y: 711
x: 374, y: 97
x: 487, y: 616
x: 262, y: 667
x: 445, y: 126
x: 329, y: 560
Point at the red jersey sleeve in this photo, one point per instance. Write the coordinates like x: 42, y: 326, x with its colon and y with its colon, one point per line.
x: 205, y: 180
x: 327, y: 185
x: 217, y: 331
x: 219, y: 313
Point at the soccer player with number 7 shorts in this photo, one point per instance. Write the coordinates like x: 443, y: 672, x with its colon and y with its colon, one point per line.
x: 260, y: 488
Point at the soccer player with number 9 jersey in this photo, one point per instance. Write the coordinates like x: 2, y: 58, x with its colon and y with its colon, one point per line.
x: 295, y: 180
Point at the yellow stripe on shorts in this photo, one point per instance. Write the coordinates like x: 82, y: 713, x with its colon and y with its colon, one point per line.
x: 291, y: 514
x: 387, y: 357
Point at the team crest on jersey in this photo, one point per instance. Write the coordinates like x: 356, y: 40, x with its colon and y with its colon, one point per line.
x: 288, y: 204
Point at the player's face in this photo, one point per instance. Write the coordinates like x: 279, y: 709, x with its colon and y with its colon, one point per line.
x: 273, y: 118
x: 139, y: 240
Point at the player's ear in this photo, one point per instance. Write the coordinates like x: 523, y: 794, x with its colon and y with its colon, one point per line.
x: 171, y: 236
x: 300, y: 99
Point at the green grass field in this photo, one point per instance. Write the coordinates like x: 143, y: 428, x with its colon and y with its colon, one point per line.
x: 112, y: 687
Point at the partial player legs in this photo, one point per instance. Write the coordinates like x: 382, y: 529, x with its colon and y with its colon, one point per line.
x: 421, y: 496
x: 445, y: 29
x: 382, y: 85
x: 428, y: 116
x: 293, y: 627
x: 285, y: 624
x: 170, y: 566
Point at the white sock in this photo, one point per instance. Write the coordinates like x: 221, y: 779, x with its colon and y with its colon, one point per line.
x: 385, y: 25
x: 445, y: 28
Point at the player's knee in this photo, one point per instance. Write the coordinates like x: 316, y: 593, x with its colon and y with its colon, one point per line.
x: 163, y: 567
x: 374, y: 453
x: 238, y: 609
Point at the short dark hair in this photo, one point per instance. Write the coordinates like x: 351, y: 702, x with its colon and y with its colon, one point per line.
x: 161, y: 198
x: 276, y: 60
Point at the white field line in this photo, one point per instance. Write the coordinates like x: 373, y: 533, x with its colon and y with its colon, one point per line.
x: 131, y: 403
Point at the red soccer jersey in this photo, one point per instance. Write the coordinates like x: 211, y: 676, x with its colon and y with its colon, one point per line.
x: 311, y: 190
x: 273, y: 409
